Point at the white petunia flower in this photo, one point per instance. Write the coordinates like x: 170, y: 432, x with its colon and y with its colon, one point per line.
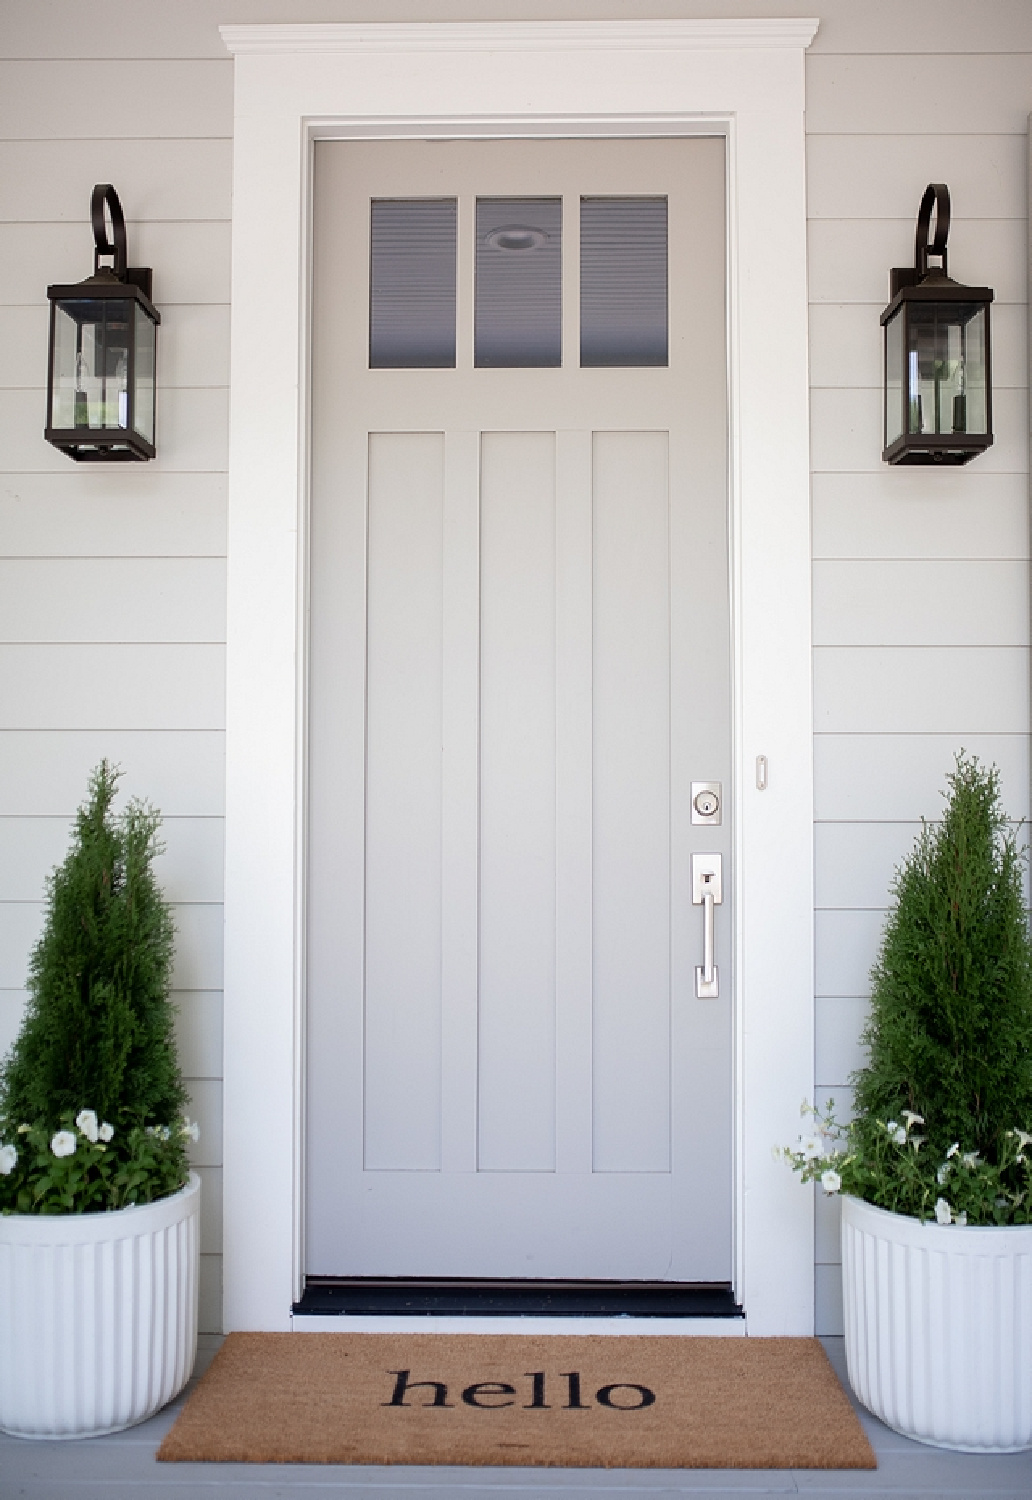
x: 810, y: 1147
x: 943, y: 1212
x: 897, y: 1133
x: 831, y: 1181
x: 63, y: 1143
x: 961, y: 1220
x: 8, y: 1157
x: 1024, y: 1139
x: 912, y: 1119
x: 942, y: 1174
x: 191, y: 1130
x: 970, y: 1158
x: 953, y: 1150
x: 105, y: 1132
x: 86, y: 1120
x: 917, y: 1141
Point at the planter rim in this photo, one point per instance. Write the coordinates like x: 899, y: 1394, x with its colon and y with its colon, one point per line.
x: 48, y: 1231
x: 906, y: 1226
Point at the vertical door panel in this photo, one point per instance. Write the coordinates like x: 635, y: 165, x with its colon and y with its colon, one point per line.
x: 403, y: 803
x: 517, y: 803
x: 631, y: 803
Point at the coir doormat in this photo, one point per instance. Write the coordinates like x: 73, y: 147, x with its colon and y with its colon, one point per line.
x: 485, y: 1399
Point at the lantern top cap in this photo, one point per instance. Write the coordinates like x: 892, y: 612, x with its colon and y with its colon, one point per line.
x: 926, y: 282
x: 117, y: 279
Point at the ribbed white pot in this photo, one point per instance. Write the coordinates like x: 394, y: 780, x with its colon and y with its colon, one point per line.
x: 98, y: 1315
x: 938, y: 1323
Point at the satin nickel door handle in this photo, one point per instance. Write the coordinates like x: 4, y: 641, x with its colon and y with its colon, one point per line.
x: 707, y: 892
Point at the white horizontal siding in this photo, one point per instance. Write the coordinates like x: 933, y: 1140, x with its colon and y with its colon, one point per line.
x: 876, y: 778
x: 190, y: 259
x: 139, y: 511
x: 43, y: 772
x: 51, y: 181
x: 43, y: 99
x: 850, y: 259
x: 894, y: 513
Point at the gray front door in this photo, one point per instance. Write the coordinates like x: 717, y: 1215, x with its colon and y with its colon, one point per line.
x: 519, y: 666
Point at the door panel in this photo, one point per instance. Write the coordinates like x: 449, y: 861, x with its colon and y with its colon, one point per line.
x: 519, y: 664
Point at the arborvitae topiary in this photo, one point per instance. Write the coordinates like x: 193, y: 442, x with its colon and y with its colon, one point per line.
x: 98, y: 1031
x: 950, y: 1027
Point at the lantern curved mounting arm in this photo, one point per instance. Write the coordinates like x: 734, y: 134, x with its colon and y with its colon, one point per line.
x: 937, y: 196
x: 105, y: 195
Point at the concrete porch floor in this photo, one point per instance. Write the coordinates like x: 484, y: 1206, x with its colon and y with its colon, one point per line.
x: 123, y: 1465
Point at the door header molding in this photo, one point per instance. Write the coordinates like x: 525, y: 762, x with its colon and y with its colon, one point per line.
x: 521, y: 36
x: 743, y: 80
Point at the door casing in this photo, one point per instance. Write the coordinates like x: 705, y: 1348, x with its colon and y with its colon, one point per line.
x: 293, y: 85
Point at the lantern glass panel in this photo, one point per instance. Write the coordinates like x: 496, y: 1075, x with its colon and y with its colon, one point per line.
x: 91, y: 364
x: 946, y: 369
x: 894, y: 377
x: 143, y: 394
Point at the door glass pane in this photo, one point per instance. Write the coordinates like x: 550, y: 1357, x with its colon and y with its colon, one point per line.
x: 518, y: 315
x: 412, y: 283
x: 623, y: 281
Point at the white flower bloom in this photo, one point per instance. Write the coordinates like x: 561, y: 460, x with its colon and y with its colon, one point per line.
x: 164, y: 1132
x: 953, y: 1150
x: 105, y: 1132
x: 8, y: 1157
x: 63, y: 1143
x: 912, y: 1119
x: 943, y: 1212
x: 961, y: 1219
x: 809, y: 1147
x: 1024, y: 1139
x: 942, y: 1174
x: 917, y: 1141
x: 831, y: 1181
x: 191, y: 1130
x: 970, y: 1158
x: 898, y: 1133
x: 892, y: 1126
x: 86, y: 1121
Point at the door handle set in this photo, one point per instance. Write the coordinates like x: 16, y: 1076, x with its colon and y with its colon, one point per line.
x: 707, y: 892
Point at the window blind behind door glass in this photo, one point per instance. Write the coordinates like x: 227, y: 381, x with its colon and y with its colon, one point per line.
x: 623, y: 281
x: 412, y: 283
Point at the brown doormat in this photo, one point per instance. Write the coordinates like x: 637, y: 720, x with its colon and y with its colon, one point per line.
x: 484, y: 1399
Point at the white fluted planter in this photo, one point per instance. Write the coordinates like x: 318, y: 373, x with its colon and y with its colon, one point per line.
x: 938, y: 1324
x: 98, y: 1315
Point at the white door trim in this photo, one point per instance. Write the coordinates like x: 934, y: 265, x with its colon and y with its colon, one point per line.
x: 742, y: 79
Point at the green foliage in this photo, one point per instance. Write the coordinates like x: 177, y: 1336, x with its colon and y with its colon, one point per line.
x: 950, y: 1027
x: 943, y: 1109
x: 98, y: 1030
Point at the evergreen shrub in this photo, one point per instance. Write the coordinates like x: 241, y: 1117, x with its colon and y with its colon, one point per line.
x: 943, y: 1108
x: 91, y: 1097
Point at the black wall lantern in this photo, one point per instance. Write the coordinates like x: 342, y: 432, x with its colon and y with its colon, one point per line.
x: 103, y: 332
x: 938, y: 394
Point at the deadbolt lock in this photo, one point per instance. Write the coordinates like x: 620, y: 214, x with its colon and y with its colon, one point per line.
x: 706, y: 802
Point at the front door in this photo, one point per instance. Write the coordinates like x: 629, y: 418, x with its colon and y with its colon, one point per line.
x: 519, y: 669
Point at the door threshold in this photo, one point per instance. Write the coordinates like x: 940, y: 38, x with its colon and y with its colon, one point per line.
x: 424, y: 1298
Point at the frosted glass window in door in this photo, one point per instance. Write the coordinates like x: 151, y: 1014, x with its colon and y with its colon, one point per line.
x: 623, y: 281
x: 412, y: 283
x: 518, y: 310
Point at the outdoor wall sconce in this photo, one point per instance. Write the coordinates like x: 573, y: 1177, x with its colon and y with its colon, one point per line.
x: 938, y: 394
x: 103, y: 331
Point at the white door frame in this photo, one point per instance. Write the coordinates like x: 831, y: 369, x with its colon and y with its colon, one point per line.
x: 294, y: 84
